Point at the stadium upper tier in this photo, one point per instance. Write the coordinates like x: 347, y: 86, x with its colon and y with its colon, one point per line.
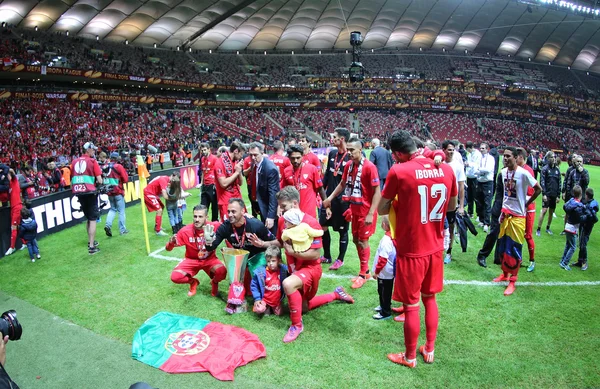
x: 298, y: 70
x: 32, y: 129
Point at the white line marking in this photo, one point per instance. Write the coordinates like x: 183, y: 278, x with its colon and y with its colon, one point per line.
x: 155, y: 254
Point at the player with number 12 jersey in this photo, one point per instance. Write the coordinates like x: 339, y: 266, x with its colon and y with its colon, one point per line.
x: 422, y: 192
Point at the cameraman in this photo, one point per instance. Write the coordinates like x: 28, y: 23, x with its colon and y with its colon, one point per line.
x: 86, y: 173
x: 5, y: 381
x: 115, y: 176
x: 27, y: 183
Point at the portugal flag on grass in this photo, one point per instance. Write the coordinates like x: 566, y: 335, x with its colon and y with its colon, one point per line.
x: 184, y: 344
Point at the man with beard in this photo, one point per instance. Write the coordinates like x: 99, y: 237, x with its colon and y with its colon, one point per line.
x: 228, y: 172
x: 336, y: 163
x: 360, y: 188
x: 208, y: 196
x: 197, y: 256
x: 307, y: 179
x: 550, y: 182
x: 236, y: 231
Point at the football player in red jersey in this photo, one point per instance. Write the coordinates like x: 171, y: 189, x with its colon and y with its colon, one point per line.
x: 424, y: 194
x: 228, y: 174
x: 302, y: 285
x: 208, y: 195
x: 307, y: 179
x: 197, y: 257
x: 308, y: 157
x: 281, y: 161
x: 359, y: 187
x: 152, y: 193
x: 14, y: 193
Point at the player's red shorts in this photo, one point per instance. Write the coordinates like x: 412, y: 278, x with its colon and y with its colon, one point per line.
x: 310, y: 277
x: 416, y: 276
x: 15, y: 215
x: 153, y: 202
x: 360, y: 230
x: 193, y: 266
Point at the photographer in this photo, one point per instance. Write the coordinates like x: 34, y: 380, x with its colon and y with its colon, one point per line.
x: 27, y: 183
x: 5, y: 381
x: 54, y: 177
x: 86, y: 173
x: 114, y: 175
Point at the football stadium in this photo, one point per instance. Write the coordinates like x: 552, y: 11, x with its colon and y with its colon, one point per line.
x: 299, y: 193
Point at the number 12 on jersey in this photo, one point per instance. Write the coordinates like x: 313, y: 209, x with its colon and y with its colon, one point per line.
x: 438, y: 193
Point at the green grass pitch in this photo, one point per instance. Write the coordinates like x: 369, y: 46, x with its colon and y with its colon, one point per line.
x: 80, y: 312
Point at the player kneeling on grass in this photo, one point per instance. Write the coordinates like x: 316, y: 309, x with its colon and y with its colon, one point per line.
x: 267, y: 283
x: 197, y: 257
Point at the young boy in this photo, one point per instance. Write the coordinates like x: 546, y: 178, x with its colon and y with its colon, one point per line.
x: 575, y: 214
x: 301, y: 234
x: 383, y: 271
x: 267, y: 283
x: 585, y: 229
x: 28, y: 232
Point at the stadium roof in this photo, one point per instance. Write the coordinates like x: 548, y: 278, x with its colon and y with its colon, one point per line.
x: 543, y: 30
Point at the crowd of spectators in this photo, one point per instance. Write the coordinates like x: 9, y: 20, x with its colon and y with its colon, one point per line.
x: 30, y: 47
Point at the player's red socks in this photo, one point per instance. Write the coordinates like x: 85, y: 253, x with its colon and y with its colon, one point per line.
x: 180, y: 278
x: 157, y: 223
x: 432, y: 318
x: 323, y: 299
x: 295, y: 303
x: 412, y: 327
x: 13, y: 238
x: 363, y: 255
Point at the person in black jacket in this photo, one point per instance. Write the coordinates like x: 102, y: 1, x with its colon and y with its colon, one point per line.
x: 28, y: 232
x: 550, y: 181
x: 492, y: 236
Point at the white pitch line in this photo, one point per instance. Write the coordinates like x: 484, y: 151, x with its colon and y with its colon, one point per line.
x: 155, y: 254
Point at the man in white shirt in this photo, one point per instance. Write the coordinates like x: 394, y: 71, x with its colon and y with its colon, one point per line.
x: 455, y: 161
x: 512, y: 219
x: 485, y: 186
x: 473, y: 159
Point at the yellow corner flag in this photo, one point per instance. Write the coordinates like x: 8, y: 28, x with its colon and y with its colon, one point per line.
x: 143, y: 173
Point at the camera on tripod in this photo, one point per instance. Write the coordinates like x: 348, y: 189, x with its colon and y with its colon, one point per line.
x: 9, y: 325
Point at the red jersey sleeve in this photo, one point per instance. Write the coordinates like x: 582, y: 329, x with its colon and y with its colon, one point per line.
x: 373, y: 175
x: 317, y: 180
x: 390, y: 190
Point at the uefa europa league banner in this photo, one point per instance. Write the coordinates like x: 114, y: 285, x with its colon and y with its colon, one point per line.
x: 61, y: 210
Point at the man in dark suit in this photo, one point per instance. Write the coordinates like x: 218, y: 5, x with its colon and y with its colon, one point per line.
x: 263, y: 185
x: 534, y: 163
x: 381, y: 158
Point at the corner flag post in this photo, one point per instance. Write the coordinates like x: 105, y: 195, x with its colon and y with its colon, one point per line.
x: 143, y: 174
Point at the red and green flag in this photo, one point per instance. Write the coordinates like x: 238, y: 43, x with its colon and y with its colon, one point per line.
x: 184, y: 344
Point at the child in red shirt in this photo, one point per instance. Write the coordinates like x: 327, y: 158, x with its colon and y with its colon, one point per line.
x: 267, y: 283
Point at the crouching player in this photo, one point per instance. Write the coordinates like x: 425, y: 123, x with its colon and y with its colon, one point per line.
x: 267, y: 283
x: 196, y: 256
